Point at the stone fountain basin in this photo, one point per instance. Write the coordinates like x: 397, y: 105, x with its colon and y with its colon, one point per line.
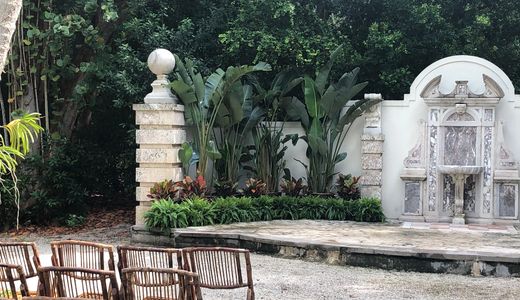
x: 454, y: 169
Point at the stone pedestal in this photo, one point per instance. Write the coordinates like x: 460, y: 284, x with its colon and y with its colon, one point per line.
x: 160, y: 133
x: 159, y: 138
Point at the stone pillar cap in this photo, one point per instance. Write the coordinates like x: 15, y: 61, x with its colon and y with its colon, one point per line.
x: 161, y: 62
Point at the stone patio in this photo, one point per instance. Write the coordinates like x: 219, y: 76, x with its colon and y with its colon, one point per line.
x: 423, y: 247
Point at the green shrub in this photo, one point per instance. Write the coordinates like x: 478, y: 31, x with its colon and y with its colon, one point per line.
x: 233, y: 209
x: 368, y: 210
x: 7, y: 205
x: 199, y: 212
x: 54, y: 186
x: 166, y: 214
x: 74, y: 220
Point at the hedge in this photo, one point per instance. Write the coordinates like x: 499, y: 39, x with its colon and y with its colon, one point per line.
x: 165, y: 214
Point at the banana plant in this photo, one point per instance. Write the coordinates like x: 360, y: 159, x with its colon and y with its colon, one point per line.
x: 268, y: 152
x: 234, y: 130
x: 325, y: 125
x: 207, y: 101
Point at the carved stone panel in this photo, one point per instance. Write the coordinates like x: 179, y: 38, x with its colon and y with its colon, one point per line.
x: 412, y: 200
x: 487, y: 173
x: 507, y: 199
x: 448, y: 194
x: 460, y: 145
x: 432, y: 170
x: 470, y: 194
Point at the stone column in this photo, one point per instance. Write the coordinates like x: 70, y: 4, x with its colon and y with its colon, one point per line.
x: 160, y: 133
x: 372, y: 141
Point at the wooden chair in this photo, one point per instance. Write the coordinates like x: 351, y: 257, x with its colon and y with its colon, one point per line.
x: 21, y: 254
x: 9, y: 275
x: 71, y: 282
x: 159, y: 284
x: 220, y: 268
x: 81, y: 254
x: 141, y: 257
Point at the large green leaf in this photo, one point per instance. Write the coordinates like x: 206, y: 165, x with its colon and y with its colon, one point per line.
x: 340, y: 157
x: 318, y: 145
x: 291, y: 85
x: 181, y: 70
x: 213, y: 88
x: 198, y: 84
x: 185, y: 155
x: 235, y: 73
x: 323, y: 74
x: 184, y: 91
x: 212, y: 151
x: 348, y: 95
x: 255, y: 117
x: 328, y: 100
x: 247, y: 100
x: 311, y: 99
x: 354, y: 112
x: 348, y: 79
x: 296, y: 110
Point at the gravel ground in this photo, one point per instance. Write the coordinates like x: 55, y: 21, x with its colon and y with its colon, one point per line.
x: 279, y: 278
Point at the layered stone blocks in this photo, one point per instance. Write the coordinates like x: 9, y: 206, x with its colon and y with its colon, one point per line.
x: 372, y: 141
x: 159, y: 138
x: 371, y: 164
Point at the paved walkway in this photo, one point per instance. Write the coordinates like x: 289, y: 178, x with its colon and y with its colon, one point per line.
x: 496, y: 244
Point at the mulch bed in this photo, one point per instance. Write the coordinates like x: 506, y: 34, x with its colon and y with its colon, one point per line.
x: 97, y: 218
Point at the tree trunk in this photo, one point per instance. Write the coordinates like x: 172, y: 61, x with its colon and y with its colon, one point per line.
x: 9, y: 12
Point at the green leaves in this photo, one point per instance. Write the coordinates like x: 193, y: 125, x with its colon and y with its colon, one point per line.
x: 185, y: 156
x: 22, y: 130
x: 324, y: 102
x: 220, y: 100
x: 164, y: 214
x: 212, y: 151
x: 296, y: 110
x: 311, y: 98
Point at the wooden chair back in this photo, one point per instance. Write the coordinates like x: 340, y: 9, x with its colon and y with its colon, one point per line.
x: 221, y: 268
x: 71, y: 282
x: 81, y: 254
x: 155, y: 284
x: 9, y: 275
x: 21, y: 254
x: 141, y: 257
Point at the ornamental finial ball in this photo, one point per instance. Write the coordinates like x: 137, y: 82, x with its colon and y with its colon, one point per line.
x: 161, y: 62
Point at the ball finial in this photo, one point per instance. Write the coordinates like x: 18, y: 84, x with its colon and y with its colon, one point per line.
x: 161, y: 62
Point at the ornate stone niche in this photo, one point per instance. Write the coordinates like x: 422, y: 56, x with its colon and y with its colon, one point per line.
x: 460, y: 168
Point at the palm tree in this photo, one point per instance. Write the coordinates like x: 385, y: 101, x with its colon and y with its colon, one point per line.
x: 8, y: 16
